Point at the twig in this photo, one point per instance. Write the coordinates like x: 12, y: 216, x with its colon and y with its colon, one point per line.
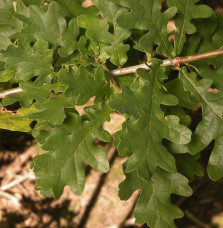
x: 195, y: 220
x: 17, y: 181
x: 168, y: 62
x: 10, y: 197
x: 10, y: 92
x: 132, y: 69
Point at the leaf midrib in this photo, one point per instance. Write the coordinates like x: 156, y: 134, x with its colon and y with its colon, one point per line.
x: 155, y: 27
x: 85, y: 134
x: 182, y: 28
x: 202, y: 96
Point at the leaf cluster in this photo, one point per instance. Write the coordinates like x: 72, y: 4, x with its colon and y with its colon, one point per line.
x: 60, y: 52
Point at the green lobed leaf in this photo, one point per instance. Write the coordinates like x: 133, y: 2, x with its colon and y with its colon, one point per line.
x: 117, y: 50
x: 33, y: 2
x: 77, y: 8
x: 43, y: 24
x: 85, y: 84
x: 215, y: 164
x: 17, y: 121
x: 210, y: 127
x: 4, y: 42
x: 6, y: 75
x: 9, y: 25
x: 142, y: 134
x: 70, y: 145
x: 185, y: 119
x: 52, y: 110
x: 154, y: 205
x: 147, y: 15
x: 50, y: 25
x: 64, y: 8
x: 176, y: 88
x: 31, y: 92
x: 68, y: 39
x: 188, y: 165
x: 94, y: 27
x: 187, y: 10
x: 28, y: 61
x: 206, y: 40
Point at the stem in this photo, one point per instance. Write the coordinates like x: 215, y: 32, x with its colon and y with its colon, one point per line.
x: 131, y: 70
x: 168, y: 62
x: 10, y: 92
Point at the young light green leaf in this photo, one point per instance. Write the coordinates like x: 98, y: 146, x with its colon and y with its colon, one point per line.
x: 17, y: 121
x: 6, y: 75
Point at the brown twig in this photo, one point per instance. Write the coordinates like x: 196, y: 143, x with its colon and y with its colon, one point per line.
x: 192, y: 58
x: 168, y: 62
x: 132, y: 69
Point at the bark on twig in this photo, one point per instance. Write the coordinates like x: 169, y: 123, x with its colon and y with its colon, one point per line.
x: 169, y: 62
x: 132, y: 69
x: 10, y: 92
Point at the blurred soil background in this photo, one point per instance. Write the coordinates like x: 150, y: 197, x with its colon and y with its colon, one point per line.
x: 99, y: 206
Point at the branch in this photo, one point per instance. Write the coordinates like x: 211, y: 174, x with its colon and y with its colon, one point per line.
x: 168, y: 62
x: 10, y: 92
x: 131, y: 70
